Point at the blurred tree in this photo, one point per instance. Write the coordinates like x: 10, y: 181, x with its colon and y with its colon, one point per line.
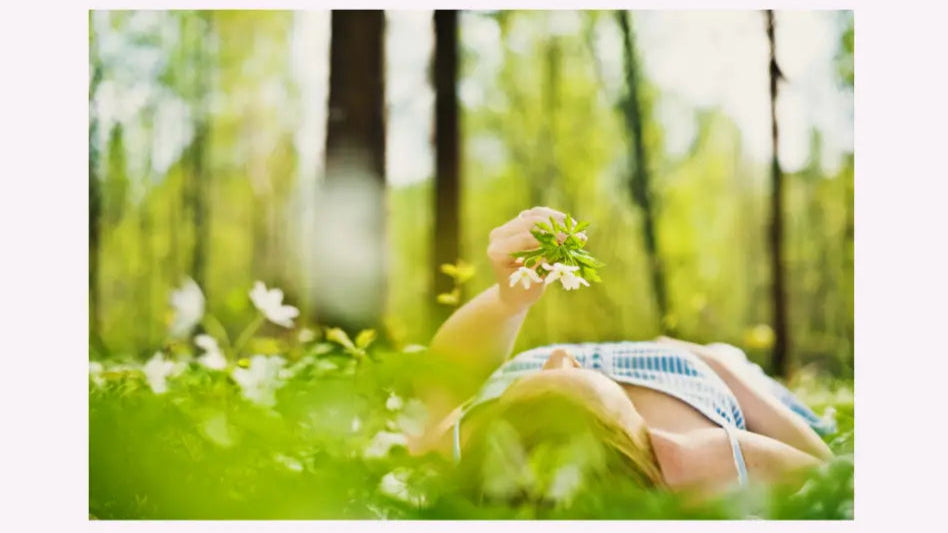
x: 195, y: 28
x: 353, y: 196
x: 633, y: 111
x: 780, y: 363
x: 549, y: 175
x: 847, y: 47
x: 447, y: 155
x: 95, y: 192
x: 116, y: 176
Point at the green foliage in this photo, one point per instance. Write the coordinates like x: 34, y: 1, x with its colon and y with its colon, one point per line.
x: 845, y: 65
x: 202, y: 450
x: 546, y: 131
x: 567, y: 249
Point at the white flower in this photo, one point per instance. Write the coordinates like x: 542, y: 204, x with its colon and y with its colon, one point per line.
x: 188, y: 304
x: 212, y: 358
x: 289, y: 462
x: 394, y: 403
x: 413, y: 417
x: 395, y: 484
x: 218, y: 430
x: 259, y: 382
x: 566, y: 275
x: 566, y: 482
x: 157, y: 370
x: 413, y: 348
x: 571, y: 281
x: 95, y: 372
x: 524, y: 276
x: 306, y: 335
x: 383, y: 442
x: 270, y: 303
x: 356, y: 424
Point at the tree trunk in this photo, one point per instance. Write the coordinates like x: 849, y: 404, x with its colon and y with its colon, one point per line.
x: 197, y: 157
x: 447, y: 155
x: 350, y: 210
x: 780, y: 362
x: 197, y: 203
x: 632, y: 109
x: 95, y: 197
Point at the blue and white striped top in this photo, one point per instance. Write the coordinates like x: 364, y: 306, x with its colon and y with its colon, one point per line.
x: 660, y: 367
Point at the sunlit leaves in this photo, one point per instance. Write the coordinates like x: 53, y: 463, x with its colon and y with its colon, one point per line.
x: 561, y: 252
x: 460, y: 273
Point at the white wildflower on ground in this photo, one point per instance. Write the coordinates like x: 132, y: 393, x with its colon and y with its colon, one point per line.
x: 566, y: 482
x: 525, y: 276
x: 382, y: 443
x: 217, y: 430
x: 395, y: 485
x: 158, y: 369
x: 261, y: 379
x: 95, y: 372
x: 413, y: 417
x: 306, y: 335
x: 414, y: 348
x: 290, y: 463
x: 394, y: 402
x: 270, y: 303
x: 188, y: 304
x: 212, y: 357
x: 566, y: 274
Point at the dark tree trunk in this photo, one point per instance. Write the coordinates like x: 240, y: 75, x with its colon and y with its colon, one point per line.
x: 197, y: 203
x: 95, y: 196
x: 632, y: 109
x: 197, y: 190
x: 351, y: 231
x: 781, y: 362
x: 447, y: 154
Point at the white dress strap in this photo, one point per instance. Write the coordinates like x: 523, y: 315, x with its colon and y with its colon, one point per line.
x: 738, y: 455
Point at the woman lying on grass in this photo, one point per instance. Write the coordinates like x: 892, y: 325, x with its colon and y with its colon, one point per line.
x: 667, y: 413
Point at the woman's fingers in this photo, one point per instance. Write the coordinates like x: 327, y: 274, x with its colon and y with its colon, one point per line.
x: 544, y: 212
x: 526, y: 220
x: 500, y: 249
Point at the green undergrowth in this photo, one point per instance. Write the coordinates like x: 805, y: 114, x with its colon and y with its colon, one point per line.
x: 330, y: 448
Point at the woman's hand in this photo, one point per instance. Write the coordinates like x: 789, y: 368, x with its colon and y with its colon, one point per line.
x: 512, y: 237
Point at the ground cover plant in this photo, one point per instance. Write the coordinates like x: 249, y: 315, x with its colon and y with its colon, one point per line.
x: 202, y: 431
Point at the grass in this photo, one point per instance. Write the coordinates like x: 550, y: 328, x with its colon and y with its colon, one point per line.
x: 203, y: 451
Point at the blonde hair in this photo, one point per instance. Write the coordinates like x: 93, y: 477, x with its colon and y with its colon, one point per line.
x: 548, y: 417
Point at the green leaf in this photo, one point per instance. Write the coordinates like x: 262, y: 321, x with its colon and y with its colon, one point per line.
x: 339, y: 336
x: 544, y: 238
x: 450, y: 270
x: 450, y: 298
x: 556, y: 225
x: 365, y: 338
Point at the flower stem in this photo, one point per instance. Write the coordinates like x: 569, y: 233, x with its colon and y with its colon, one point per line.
x: 216, y: 329
x: 247, y: 333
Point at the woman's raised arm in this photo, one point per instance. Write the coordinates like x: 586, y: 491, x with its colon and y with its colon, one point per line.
x: 479, y: 336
